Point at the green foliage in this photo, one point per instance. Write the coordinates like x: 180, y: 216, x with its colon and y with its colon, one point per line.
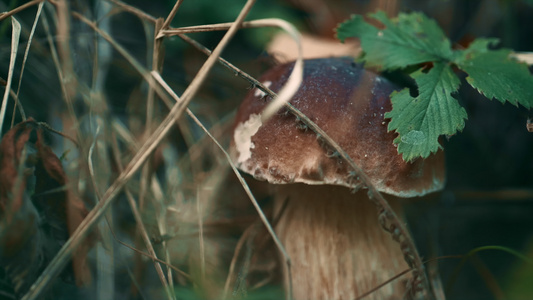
x: 435, y: 111
x: 494, y: 75
x: 517, y: 283
x: 411, y: 41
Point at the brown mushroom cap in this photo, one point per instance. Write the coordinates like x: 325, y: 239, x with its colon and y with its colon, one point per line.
x: 348, y: 103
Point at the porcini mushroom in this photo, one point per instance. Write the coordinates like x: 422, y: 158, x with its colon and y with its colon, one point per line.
x: 337, y: 247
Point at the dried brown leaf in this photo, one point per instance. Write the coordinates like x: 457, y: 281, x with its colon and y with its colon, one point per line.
x: 31, y: 230
x: 63, y: 210
x: 20, y: 239
x: 11, y: 148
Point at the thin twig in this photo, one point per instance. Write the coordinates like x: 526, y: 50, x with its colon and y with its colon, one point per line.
x: 202, y: 28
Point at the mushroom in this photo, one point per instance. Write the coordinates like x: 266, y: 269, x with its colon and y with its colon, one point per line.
x: 337, y: 247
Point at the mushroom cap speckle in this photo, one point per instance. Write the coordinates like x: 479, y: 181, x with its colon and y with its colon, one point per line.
x: 349, y: 104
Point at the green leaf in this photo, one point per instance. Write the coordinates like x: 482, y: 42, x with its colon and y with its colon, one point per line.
x: 420, y: 121
x: 411, y: 39
x: 406, y: 40
x: 354, y: 27
x: 477, y: 46
x: 495, y: 75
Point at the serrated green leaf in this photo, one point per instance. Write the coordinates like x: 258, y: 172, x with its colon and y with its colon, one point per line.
x: 497, y: 76
x: 420, y: 121
x: 481, y: 45
x: 478, y: 46
x: 406, y: 40
x: 411, y: 39
x: 353, y: 27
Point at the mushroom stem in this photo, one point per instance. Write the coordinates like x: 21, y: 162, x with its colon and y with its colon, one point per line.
x: 337, y: 247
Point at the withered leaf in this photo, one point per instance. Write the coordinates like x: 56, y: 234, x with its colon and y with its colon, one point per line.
x: 33, y: 228
x: 63, y: 210
x: 21, y: 248
x: 11, y: 148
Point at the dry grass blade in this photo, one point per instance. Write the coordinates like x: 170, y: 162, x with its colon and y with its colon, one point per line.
x: 134, y: 63
x: 140, y: 225
x: 146, y: 176
x: 15, y: 36
x: 225, y: 63
x: 285, y: 95
x: 157, y: 89
x: 295, y: 79
x: 292, y: 85
x: 264, y: 219
x: 90, y: 162
x: 172, y: 14
x: 200, y: 231
x: 65, y: 64
x: 157, y: 59
x: 247, y: 189
x: 207, y: 28
x: 30, y: 39
x: 152, y: 257
x: 105, y: 267
x: 248, y: 234
x: 61, y: 76
x: 137, y: 161
x: 17, y: 103
x: 18, y: 9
